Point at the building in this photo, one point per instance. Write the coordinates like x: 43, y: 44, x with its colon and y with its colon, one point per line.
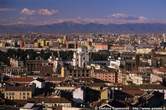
x: 118, y: 48
x: 51, y: 102
x: 114, y: 64
x: 30, y: 106
x: 18, y: 93
x: 111, y: 76
x: 16, y: 63
x: 154, y: 78
x: 81, y: 57
x: 15, y: 70
x: 83, y: 94
x: 34, y: 65
x: 105, y: 94
x: 100, y: 46
x: 39, y: 83
x: 20, y: 80
x: 71, y: 44
x: 39, y: 67
x: 159, y: 60
x: 144, y: 50
x: 136, y: 79
x: 77, y: 72
x: 154, y: 87
x: 79, y: 95
x: 124, y: 60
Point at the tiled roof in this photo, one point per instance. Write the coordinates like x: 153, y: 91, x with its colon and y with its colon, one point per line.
x: 49, y: 100
x: 162, y: 69
x: 21, y: 79
x: 20, y: 88
x: 134, y: 91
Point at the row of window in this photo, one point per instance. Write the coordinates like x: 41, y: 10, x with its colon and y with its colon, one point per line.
x: 21, y: 93
x: 12, y: 97
x: 80, y: 75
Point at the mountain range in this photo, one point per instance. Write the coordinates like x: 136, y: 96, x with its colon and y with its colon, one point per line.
x: 90, y: 27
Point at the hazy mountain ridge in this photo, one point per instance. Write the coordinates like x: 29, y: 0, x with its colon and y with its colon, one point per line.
x: 91, y: 27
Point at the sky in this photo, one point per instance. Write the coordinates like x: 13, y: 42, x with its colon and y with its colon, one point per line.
x: 40, y: 12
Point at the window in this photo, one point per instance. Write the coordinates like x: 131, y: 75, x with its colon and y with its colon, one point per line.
x: 23, y: 97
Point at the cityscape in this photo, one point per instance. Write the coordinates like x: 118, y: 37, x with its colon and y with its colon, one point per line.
x: 82, y: 55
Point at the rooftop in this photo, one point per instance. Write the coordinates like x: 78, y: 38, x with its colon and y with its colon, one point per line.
x: 20, y: 79
x: 49, y: 100
x: 19, y: 88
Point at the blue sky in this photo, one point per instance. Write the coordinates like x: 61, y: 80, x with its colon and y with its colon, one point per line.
x: 100, y: 11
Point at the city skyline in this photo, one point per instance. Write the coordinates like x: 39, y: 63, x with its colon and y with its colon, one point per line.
x: 40, y: 12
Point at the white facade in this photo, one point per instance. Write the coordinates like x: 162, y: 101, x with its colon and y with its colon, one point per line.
x: 80, y: 57
x: 55, y: 63
x: 136, y: 79
x: 78, y: 95
x: 38, y: 84
x: 155, y: 78
x: 114, y: 64
x: 28, y: 106
x: 143, y: 50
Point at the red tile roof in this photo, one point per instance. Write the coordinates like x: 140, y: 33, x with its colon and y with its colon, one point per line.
x: 134, y: 91
x: 162, y: 69
x: 21, y: 80
x: 49, y: 100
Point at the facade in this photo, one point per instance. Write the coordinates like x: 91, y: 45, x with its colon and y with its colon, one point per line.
x: 100, y: 46
x: 15, y: 70
x: 118, y: 48
x: 106, y: 75
x: 18, y: 93
x: 114, y: 64
x: 39, y: 83
x: 104, y: 94
x: 136, y: 78
x: 15, y: 63
x: 77, y: 72
x: 52, y: 102
x: 78, y: 95
x: 80, y: 58
x: 39, y: 67
x: 143, y: 50
x: 155, y: 78
x: 34, y: 65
